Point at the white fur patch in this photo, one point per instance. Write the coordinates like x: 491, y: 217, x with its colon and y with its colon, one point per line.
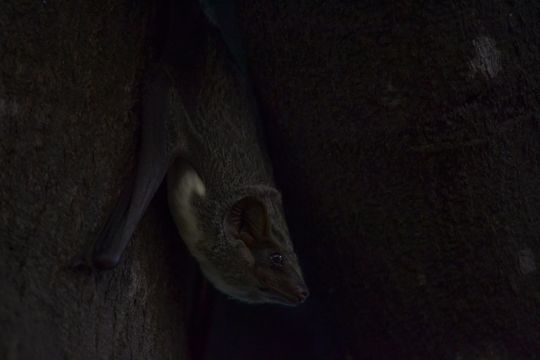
x: 182, y: 183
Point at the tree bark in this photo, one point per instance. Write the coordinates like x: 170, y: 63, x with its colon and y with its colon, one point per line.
x: 405, y: 137
x: 69, y: 75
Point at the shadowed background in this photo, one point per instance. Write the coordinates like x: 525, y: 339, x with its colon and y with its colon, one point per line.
x: 404, y: 136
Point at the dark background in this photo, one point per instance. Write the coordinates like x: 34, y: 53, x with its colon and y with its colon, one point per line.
x: 404, y: 136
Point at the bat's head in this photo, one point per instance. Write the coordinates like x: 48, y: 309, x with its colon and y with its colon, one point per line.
x: 264, y: 268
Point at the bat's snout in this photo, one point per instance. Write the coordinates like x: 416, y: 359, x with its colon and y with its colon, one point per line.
x: 302, y: 294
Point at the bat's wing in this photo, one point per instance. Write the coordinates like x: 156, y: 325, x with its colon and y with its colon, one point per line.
x: 152, y: 163
x: 223, y: 15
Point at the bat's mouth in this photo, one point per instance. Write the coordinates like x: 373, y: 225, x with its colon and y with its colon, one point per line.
x: 285, y: 298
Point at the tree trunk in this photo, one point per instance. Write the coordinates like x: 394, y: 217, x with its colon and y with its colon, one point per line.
x: 69, y: 74
x: 405, y: 137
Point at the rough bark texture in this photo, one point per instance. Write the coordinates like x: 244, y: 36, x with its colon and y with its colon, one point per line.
x: 405, y: 135
x: 69, y: 75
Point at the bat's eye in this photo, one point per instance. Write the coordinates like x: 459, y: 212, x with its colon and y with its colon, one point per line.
x: 277, y: 259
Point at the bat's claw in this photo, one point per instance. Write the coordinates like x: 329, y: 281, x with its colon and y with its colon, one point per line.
x: 105, y: 261
x: 81, y: 262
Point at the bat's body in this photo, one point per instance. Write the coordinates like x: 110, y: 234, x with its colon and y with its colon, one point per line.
x: 199, y: 128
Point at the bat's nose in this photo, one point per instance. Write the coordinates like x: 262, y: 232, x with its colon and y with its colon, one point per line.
x: 302, y: 293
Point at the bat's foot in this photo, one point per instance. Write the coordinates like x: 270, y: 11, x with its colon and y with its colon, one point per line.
x: 105, y: 261
x: 93, y: 263
x: 81, y: 262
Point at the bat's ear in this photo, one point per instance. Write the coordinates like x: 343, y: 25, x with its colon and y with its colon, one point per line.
x: 247, y: 221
